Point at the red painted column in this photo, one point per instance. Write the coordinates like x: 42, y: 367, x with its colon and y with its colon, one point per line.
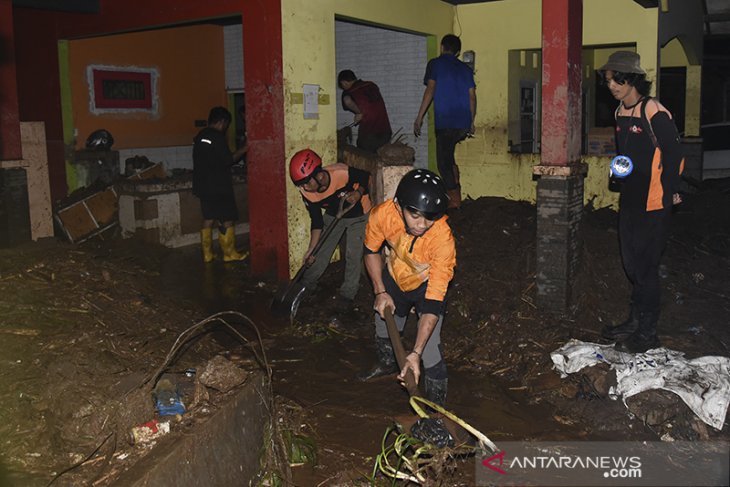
x: 562, y: 40
x: 267, y: 178
x: 560, y: 184
x: 10, y: 148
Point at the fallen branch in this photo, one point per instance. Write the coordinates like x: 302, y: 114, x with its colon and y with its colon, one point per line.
x: 217, y: 317
x: 30, y: 332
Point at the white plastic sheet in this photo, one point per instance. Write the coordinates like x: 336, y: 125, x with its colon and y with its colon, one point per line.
x: 703, y: 383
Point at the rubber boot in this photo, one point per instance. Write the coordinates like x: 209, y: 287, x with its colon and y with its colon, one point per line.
x: 618, y: 332
x: 644, y: 338
x: 228, y: 244
x: 435, y: 390
x: 206, y: 242
x: 454, y: 198
x: 386, y: 361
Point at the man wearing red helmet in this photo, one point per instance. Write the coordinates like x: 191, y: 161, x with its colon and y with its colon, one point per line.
x: 322, y: 188
x: 421, y: 256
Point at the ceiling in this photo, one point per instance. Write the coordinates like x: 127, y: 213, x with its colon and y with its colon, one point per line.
x: 76, y: 6
x: 717, y: 17
x: 717, y: 12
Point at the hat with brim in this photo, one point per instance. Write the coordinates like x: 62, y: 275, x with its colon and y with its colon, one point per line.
x: 623, y: 62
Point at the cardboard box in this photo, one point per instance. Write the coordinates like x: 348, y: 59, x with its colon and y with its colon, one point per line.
x: 601, y: 141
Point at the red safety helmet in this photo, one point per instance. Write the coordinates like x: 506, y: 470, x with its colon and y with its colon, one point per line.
x: 303, y: 165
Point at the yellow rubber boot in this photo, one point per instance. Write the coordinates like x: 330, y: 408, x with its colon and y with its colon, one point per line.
x: 206, y: 242
x: 228, y: 244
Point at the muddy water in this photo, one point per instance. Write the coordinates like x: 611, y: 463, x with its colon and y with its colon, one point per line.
x: 315, y: 363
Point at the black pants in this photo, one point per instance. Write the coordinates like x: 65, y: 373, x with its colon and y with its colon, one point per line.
x: 446, y: 140
x: 372, y: 142
x: 643, y: 236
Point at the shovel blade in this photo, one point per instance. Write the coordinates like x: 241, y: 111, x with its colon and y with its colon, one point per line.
x: 286, y: 302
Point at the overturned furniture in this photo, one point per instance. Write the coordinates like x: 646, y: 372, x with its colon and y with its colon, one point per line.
x: 90, y: 212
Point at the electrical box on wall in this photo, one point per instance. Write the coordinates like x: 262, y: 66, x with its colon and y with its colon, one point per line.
x: 469, y: 57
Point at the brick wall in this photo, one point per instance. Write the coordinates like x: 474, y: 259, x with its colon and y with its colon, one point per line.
x: 559, y: 211
x: 396, y: 62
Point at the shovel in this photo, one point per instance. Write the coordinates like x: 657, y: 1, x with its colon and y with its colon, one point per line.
x: 287, y: 301
x: 438, y: 429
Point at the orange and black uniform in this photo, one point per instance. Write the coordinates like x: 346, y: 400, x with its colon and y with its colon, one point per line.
x: 645, y: 202
x: 343, y: 180
x: 419, y: 268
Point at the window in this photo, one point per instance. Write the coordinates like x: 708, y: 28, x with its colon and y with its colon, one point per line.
x: 525, y: 99
x: 122, y: 89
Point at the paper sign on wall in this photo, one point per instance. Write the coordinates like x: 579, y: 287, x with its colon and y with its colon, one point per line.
x: 311, y: 102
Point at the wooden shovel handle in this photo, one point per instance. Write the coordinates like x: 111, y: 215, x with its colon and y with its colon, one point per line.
x: 400, y: 353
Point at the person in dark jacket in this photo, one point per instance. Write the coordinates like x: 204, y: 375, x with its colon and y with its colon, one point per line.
x: 213, y: 185
x: 649, y: 164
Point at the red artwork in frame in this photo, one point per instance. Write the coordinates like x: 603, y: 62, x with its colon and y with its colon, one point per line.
x: 118, y: 89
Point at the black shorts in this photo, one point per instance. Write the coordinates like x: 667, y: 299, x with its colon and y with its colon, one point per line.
x: 221, y: 208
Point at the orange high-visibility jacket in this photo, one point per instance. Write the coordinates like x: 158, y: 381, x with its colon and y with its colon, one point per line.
x: 413, y: 260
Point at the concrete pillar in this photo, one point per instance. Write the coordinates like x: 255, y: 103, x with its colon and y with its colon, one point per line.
x: 267, y: 175
x: 559, y: 211
x: 693, y: 103
x: 560, y: 173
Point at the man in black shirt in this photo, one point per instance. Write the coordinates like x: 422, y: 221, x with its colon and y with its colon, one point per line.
x: 213, y: 184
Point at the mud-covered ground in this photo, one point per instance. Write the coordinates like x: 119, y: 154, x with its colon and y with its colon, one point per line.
x: 85, y: 328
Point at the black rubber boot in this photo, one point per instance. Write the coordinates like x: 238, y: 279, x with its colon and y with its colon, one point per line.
x: 386, y: 361
x: 644, y: 338
x: 436, y: 389
x: 617, y: 332
x: 436, y: 383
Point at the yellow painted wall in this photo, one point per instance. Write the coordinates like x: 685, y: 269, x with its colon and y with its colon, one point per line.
x: 673, y: 55
x: 492, y: 29
x: 308, y: 55
x: 191, y: 80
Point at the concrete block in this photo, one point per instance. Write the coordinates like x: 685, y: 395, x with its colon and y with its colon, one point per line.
x: 223, y: 450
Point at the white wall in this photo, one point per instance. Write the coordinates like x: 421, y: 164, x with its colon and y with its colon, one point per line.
x: 233, y: 48
x: 396, y: 62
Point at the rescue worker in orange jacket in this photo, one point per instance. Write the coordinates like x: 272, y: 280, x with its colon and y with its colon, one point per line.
x: 322, y: 188
x: 420, y: 260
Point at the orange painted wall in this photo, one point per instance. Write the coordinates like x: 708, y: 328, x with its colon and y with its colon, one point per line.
x: 190, y: 63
